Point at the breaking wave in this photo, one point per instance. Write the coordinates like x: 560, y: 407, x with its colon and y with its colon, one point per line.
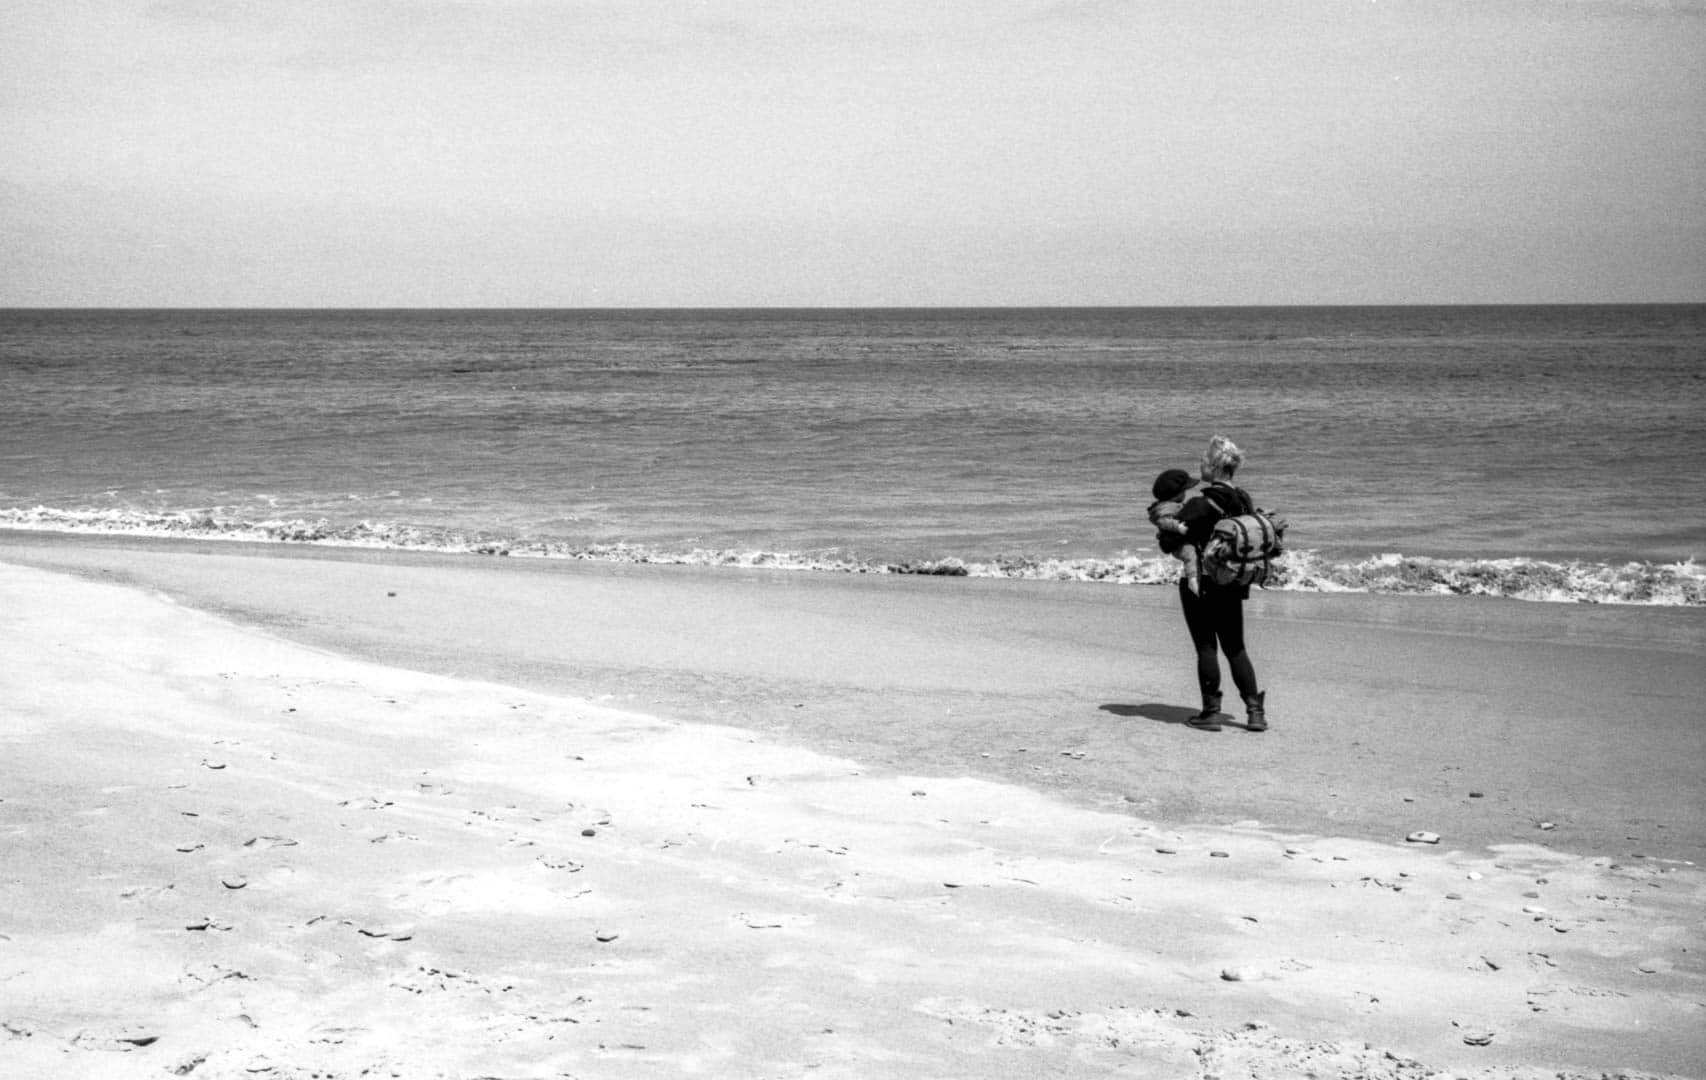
x: 1659, y: 584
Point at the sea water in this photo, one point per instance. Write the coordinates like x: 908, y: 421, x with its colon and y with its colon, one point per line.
x: 1542, y: 452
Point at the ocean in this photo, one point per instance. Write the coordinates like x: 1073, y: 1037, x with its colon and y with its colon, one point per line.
x: 1549, y: 453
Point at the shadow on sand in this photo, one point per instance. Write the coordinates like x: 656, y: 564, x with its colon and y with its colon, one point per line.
x: 1165, y: 714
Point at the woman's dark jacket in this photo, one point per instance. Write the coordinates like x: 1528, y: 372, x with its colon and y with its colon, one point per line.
x: 1212, y: 502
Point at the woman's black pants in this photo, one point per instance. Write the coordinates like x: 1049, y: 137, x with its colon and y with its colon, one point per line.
x: 1216, y: 619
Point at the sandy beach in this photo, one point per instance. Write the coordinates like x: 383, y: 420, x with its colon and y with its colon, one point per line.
x: 292, y: 812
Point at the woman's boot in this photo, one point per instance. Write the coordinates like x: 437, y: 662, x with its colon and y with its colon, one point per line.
x: 1256, y: 718
x: 1210, y: 715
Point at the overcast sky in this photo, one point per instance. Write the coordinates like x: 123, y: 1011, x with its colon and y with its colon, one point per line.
x: 862, y: 152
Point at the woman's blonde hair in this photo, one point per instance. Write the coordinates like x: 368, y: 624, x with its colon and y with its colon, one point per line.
x: 1221, y: 459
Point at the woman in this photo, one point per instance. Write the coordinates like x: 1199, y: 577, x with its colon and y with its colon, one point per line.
x: 1215, y: 613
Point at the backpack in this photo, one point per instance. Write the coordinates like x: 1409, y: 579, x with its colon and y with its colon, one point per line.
x: 1243, y: 545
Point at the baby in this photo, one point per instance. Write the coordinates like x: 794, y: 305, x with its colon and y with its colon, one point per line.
x: 1171, y: 492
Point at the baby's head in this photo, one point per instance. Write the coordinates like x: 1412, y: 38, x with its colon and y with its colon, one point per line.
x: 1172, y: 484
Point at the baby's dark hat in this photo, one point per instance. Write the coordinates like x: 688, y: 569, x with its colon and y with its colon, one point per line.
x: 1171, y: 484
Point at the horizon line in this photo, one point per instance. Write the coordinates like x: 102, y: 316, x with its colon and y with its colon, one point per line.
x: 853, y: 307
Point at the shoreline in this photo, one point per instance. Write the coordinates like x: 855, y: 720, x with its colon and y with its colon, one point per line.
x: 249, y: 845
x: 1557, y: 578
x: 1388, y: 711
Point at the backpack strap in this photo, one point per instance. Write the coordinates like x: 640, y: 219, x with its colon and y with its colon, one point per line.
x: 1230, y: 501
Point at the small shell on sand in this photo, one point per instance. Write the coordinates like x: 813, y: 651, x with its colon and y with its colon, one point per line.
x: 1246, y: 973
x: 1423, y: 837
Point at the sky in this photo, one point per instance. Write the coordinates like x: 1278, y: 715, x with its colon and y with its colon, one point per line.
x: 673, y: 153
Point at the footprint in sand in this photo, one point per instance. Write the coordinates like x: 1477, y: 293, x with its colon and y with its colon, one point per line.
x: 261, y: 842
x: 506, y: 891
x: 366, y: 928
x: 200, y: 976
x: 390, y: 933
x: 772, y: 920
x: 367, y: 802
x: 1162, y: 1040
x: 425, y: 980
x: 122, y: 1039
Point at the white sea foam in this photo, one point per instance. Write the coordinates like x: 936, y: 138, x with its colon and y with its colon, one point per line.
x: 1659, y: 584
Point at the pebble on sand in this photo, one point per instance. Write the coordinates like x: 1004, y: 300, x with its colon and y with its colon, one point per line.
x: 1423, y: 837
x: 1245, y: 973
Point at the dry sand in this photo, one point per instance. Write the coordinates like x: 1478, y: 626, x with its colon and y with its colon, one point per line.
x: 286, y: 813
